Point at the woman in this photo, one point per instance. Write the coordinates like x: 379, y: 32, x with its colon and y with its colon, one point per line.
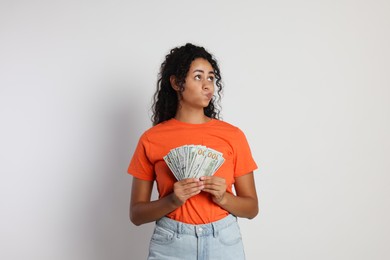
x: 196, y: 218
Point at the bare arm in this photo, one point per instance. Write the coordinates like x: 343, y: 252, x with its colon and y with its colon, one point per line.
x: 142, y: 210
x: 245, y: 204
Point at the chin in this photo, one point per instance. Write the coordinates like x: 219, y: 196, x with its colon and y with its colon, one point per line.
x: 206, y: 105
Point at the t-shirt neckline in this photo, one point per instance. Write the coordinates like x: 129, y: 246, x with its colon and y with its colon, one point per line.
x: 181, y: 123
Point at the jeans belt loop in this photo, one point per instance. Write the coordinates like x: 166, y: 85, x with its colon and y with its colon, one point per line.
x: 215, y: 230
x: 178, y: 229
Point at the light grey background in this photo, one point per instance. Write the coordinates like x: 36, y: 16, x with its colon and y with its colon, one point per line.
x: 307, y: 81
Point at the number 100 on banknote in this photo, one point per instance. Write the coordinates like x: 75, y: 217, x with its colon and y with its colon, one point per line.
x: 193, y: 161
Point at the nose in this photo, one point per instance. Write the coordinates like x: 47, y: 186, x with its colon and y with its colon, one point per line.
x: 208, y: 84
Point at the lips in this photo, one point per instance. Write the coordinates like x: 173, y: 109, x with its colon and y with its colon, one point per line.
x: 209, y: 95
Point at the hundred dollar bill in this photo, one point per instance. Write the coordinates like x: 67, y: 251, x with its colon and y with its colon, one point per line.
x: 211, y: 161
x: 193, y: 161
x: 197, y: 161
x: 171, y: 166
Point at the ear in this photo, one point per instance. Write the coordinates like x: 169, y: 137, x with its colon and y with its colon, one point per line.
x: 174, y: 85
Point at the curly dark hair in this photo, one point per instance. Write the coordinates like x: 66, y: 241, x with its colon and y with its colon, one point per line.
x: 177, y: 63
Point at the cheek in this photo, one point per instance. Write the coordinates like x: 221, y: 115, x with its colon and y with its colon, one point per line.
x: 190, y: 91
x: 186, y: 95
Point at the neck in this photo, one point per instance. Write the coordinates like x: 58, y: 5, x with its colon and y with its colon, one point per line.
x: 192, y: 116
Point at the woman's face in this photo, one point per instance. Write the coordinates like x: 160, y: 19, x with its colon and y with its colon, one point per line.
x: 199, y: 85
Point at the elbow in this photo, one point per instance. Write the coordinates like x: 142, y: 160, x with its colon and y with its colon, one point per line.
x: 254, y: 212
x: 137, y: 223
x: 135, y: 219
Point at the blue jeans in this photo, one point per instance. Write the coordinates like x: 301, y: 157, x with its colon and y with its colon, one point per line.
x: 176, y: 240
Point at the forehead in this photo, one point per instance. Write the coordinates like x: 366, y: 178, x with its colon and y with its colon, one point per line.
x: 201, y: 64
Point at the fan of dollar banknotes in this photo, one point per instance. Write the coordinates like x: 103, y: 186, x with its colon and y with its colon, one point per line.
x: 193, y: 161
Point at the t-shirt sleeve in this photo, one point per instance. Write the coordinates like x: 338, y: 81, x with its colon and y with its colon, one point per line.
x: 244, y: 162
x: 140, y: 165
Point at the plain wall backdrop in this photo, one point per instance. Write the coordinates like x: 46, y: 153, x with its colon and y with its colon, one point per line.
x: 307, y: 81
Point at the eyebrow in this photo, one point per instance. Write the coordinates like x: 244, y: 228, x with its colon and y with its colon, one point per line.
x: 210, y: 72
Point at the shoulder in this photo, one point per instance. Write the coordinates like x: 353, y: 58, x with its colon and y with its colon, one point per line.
x: 223, y: 125
x: 231, y: 132
x: 157, y: 129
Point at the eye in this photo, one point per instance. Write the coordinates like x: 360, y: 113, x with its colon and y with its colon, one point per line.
x: 211, y: 78
x: 197, y: 77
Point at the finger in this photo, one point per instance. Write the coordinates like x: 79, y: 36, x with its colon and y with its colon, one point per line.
x: 195, y: 192
x: 213, y: 179
x: 214, y: 186
x: 189, y: 194
x: 187, y: 184
x: 213, y: 191
x: 192, y: 187
x: 189, y: 180
x: 189, y: 189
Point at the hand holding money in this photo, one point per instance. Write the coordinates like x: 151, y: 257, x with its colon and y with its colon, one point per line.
x: 186, y: 188
x: 216, y: 186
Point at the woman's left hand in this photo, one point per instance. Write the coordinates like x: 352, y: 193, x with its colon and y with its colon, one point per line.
x: 216, y: 186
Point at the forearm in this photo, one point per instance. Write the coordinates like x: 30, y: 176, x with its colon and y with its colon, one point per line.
x: 149, y: 211
x: 245, y: 207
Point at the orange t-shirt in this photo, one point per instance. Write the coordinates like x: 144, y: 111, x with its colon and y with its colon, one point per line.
x: 148, y: 164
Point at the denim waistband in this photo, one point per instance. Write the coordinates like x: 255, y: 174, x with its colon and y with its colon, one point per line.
x: 181, y: 228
